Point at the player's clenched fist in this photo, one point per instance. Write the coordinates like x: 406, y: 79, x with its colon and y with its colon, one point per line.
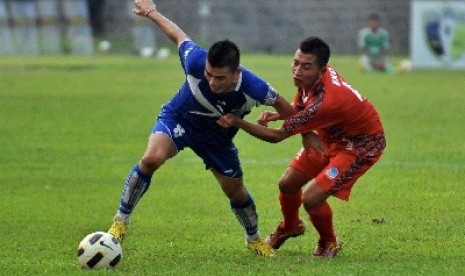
x: 144, y: 7
x: 267, y: 116
x: 227, y: 120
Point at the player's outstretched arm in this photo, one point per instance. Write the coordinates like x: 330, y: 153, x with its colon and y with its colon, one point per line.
x: 284, y: 108
x: 267, y: 116
x: 148, y: 9
x: 272, y: 135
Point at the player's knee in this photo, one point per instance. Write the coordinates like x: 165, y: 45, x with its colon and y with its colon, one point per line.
x: 286, y: 186
x: 151, y: 162
x: 235, y: 191
x: 238, y: 198
x: 283, y: 186
x: 313, y: 196
x: 309, y: 202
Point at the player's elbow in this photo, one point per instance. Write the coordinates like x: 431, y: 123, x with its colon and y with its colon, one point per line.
x: 274, y: 141
x: 276, y: 137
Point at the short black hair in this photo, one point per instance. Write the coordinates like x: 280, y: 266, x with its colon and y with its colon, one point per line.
x: 224, y: 53
x: 374, y: 16
x: 316, y: 46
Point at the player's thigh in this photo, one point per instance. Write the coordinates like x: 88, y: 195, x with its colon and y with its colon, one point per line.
x: 333, y: 179
x: 221, y: 157
x: 160, y: 145
x: 233, y: 188
x: 159, y: 149
x: 166, y: 140
x: 292, y: 180
x: 344, y: 169
x: 309, y: 162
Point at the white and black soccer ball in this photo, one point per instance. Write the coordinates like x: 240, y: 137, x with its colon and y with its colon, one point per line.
x: 99, y: 250
x: 405, y: 66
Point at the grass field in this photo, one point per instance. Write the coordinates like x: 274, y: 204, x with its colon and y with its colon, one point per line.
x: 71, y: 128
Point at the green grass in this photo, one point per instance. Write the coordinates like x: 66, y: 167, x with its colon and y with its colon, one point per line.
x: 72, y: 127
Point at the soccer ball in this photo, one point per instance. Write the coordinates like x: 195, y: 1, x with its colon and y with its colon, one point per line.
x: 104, y: 46
x: 163, y: 53
x: 99, y: 250
x: 405, y: 65
x: 146, y: 52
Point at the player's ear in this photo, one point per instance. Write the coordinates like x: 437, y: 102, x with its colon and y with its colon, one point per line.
x: 237, y: 72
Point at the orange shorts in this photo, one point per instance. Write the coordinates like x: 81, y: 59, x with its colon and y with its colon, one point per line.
x: 336, y: 172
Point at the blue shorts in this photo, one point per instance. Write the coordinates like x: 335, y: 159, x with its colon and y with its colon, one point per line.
x: 223, y: 157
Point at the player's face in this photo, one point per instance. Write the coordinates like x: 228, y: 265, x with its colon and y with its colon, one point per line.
x: 221, y: 80
x: 305, y: 71
x: 374, y: 24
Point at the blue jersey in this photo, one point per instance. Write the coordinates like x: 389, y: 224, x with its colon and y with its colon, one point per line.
x: 197, y: 108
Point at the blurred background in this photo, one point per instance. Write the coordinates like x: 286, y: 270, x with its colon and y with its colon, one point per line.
x: 269, y: 26
x: 86, y: 27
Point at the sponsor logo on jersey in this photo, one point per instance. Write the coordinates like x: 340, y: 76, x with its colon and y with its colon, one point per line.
x: 332, y: 172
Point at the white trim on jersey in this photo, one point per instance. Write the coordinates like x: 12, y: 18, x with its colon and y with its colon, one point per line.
x: 239, y: 82
x: 249, y: 104
x: 194, y: 86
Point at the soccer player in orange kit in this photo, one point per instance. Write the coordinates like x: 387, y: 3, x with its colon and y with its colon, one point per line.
x: 342, y: 136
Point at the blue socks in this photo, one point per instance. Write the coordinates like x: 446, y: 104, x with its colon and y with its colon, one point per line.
x: 247, y: 216
x: 134, y: 188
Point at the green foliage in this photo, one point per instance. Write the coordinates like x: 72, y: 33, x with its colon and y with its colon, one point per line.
x: 71, y: 128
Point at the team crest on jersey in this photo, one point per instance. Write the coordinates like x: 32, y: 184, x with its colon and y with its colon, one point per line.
x: 178, y: 131
x: 332, y: 172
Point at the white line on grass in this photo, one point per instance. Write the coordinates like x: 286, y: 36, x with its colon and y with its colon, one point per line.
x: 384, y: 163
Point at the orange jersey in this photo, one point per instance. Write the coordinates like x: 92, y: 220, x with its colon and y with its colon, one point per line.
x: 335, y: 110
x: 350, y: 126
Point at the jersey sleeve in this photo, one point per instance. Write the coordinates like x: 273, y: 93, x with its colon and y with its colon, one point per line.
x: 192, y: 58
x: 258, y: 89
x: 305, y: 120
x: 320, y: 111
x: 361, y: 38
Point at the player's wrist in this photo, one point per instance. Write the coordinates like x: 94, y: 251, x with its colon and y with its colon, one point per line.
x: 146, y: 14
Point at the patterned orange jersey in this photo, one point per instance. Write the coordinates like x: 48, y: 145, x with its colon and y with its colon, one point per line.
x: 347, y: 122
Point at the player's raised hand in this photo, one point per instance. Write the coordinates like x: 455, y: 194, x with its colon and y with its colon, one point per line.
x: 267, y: 116
x: 144, y: 7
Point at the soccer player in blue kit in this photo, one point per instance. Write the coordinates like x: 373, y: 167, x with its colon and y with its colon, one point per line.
x: 216, y: 84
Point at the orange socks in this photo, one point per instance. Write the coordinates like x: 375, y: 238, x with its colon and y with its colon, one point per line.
x: 322, y: 219
x: 290, y: 204
x: 321, y: 216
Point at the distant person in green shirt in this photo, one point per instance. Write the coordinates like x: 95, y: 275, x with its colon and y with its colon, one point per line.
x: 374, y: 41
